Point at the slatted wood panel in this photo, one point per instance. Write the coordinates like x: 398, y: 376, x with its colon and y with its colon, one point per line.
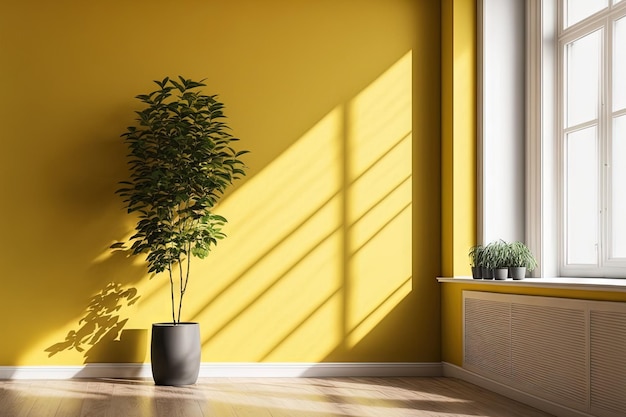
x: 272, y: 397
x: 488, y: 336
x: 608, y: 363
x: 549, y: 353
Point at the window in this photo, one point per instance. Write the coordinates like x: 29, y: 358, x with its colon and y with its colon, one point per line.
x: 590, y: 151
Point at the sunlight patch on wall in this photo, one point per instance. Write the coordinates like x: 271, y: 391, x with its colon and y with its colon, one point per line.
x: 379, y: 199
x: 319, y: 248
x: 277, y: 276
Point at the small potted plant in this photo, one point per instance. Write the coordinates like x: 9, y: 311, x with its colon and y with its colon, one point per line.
x: 476, y: 254
x: 487, y: 261
x: 499, y: 259
x: 181, y: 160
x: 521, y: 259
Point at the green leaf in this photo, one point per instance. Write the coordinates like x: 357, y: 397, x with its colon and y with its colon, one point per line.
x: 180, y: 87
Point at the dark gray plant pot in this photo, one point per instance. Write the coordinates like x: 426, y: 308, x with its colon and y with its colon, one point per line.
x: 501, y: 273
x: 476, y: 272
x: 518, y: 272
x: 175, y: 353
x: 487, y: 273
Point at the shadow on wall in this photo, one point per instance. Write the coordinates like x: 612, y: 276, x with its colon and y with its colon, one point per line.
x: 101, y: 336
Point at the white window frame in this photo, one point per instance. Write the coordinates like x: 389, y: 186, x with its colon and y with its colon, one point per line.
x: 544, y: 165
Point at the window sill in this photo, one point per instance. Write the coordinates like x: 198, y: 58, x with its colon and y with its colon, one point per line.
x: 587, y: 284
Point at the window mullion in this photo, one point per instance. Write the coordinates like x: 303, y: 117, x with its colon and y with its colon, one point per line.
x: 605, y: 186
x: 580, y: 126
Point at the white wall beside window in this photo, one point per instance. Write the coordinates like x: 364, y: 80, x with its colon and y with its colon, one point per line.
x: 501, y: 109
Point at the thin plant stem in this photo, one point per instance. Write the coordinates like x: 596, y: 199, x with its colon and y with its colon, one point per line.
x: 169, y: 269
x: 181, y: 293
x: 183, y: 282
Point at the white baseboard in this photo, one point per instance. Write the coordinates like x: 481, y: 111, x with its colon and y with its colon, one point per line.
x: 103, y: 370
x: 231, y: 370
x: 450, y: 370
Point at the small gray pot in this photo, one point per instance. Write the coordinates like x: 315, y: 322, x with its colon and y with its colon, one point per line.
x: 518, y: 272
x: 501, y: 273
x: 175, y: 350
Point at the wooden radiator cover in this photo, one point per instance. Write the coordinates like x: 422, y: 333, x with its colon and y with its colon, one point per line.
x: 571, y: 352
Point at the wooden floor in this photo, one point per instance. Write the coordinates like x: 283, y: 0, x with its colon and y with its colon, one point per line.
x: 269, y: 397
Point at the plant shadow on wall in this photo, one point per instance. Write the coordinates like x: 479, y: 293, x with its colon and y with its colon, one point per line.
x: 319, y: 253
x: 100, y: 335
x: 98, y: 309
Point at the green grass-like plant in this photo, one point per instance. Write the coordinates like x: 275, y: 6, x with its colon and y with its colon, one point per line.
x: 497, y: 254
x: 521, y: 256
x: 476, y: 254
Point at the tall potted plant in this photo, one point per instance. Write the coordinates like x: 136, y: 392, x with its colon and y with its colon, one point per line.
x: 181, y: 162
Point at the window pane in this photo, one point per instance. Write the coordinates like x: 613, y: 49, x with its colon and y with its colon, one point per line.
x: 619, y: 65
x: 577, y: 10
x: 582, y: 196
x: 618, y: 185
x: 583, y: 71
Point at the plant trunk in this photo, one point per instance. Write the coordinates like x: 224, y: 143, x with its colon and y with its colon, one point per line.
x: 172, y: 293
x: 184, y: 280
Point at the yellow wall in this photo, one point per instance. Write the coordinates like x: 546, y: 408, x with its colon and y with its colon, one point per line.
x: 458, y: 160
x: 334, y: 236
x: 458, y: 157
